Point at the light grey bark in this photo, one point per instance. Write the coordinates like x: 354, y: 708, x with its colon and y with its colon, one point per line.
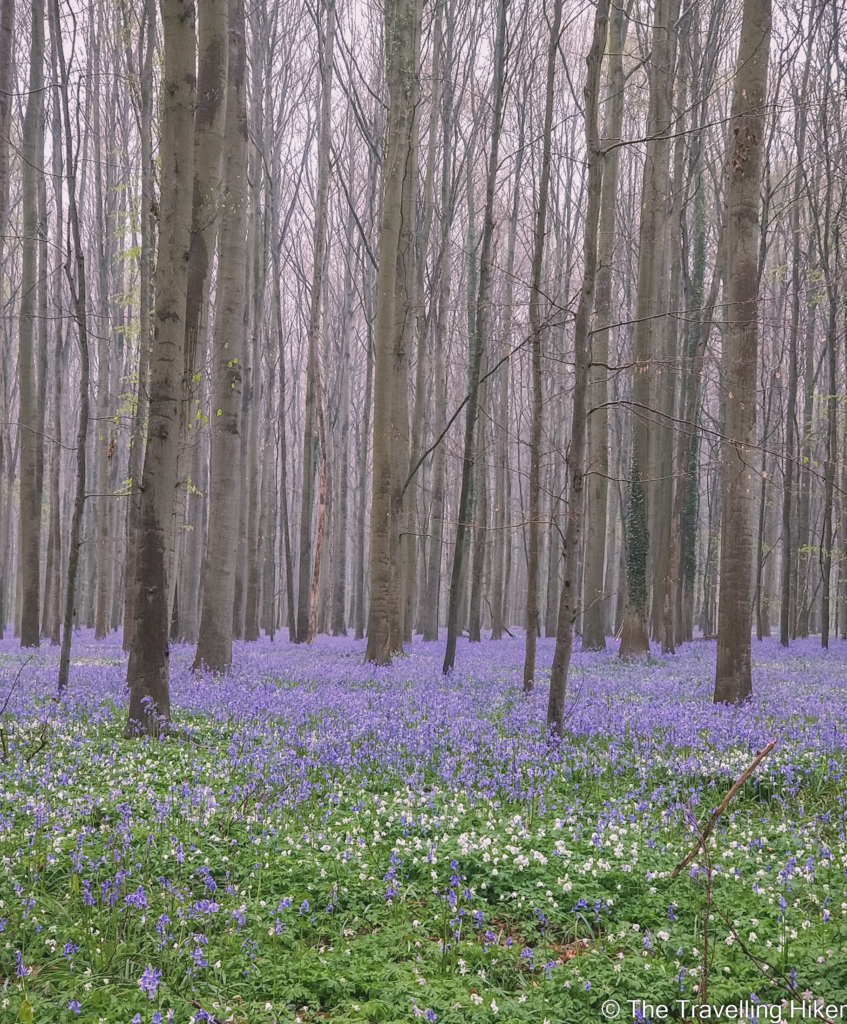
x: 597, y: 492
x: 501, y: 545
x: 77, y: 285
x: 535, y: 314
x: 645, y: 343
x: 32, y: 158
x: 209, y: 121
x: 568, y: 605
x: 390, y: 435
x: 483, y: 315
x: 214, y: 645
x: 733, y: 683
x: 147, y: 671
x: 147, y: 232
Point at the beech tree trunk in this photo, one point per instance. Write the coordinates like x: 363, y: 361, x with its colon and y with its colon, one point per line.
x: 77, y: 284
x: 209, y: 126
x: 214, y: 645
x: 534, y: 510
x: 402, y: 42
x: 569, y: 602
x: 31, y: 443
x: 483, y: 314
x: 733, y: 682
x: 594, y: 611
x: 646, y: 330
x: 147, y: 671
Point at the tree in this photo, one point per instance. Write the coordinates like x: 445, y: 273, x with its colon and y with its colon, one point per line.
x: 478, y: 334
x: 32, y: 152
x: 535, y: 354
x: 568, y: 604
x: 733, y: 682
x: 214, y: 644
x: 402, y: 47
x: 147, y: 670
x: 593, y: 616
x: 209, y: 128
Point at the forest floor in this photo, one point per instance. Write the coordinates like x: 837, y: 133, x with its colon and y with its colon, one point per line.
x: 323, y: 841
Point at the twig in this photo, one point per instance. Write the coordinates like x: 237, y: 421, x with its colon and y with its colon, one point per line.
x: 703, y: 834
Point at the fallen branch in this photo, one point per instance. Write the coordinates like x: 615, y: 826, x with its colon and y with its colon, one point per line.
x: 703, y: 834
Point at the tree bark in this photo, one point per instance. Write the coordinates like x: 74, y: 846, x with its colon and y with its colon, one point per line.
x: 402, y: 41
x: 147, y: 671
x: 597, y: 493
x: 480, y: 332
x: 31, y: 442
x: 733, y: 682
x: 79, y: 292
x: 214, y: 645
x: 648, y: 302
x: 534, y: 511
x: 145, y: 299
x: 568, y: 604
x: 209, y: 122
x: 788, y: 551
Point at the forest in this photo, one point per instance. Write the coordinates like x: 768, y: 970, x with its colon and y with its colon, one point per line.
x: 423, y: 510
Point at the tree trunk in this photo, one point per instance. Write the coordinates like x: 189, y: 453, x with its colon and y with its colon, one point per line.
x: 569, y: 603
x: 402, y: 42
x: 499, y: 583
x: 209, y: 121
x: 648, y: 302
x: 597, y: 494
x: 7, y: 34
x: 534, y: 511
x: 147, y: 671
x: 733, y: 683
x: 145, y: 290
x: 339, y: 545
x: 214, y: 645
x: 31, y: 441
x: 480, y: 332
x: 77, y: 285
x: 788, y: 551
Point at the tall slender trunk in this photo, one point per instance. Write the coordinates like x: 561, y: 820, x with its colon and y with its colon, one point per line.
x: 31, y: 442
x: 733, y: 683
x: 310, y: 440
x: 339, y: 545
x: 147, y: 671
x: 568, y: 605
x: 7, y: 34
x: 788, y: 550
x: 802, y: 600
x: 145, y: 300
x: 390, y: 427
x: 597, y: 493
x: 51, y: 619
x: 214, y: 644
x: 480, y: 332
x: 534, y: 510
x: 475, y: 613
x: 650, y: 288
x: 436, y: 516
x: 829, y: 464
x: 499, y: 582
x: 209, y: 121
x: 77, y: 283
x: 102, y: 204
